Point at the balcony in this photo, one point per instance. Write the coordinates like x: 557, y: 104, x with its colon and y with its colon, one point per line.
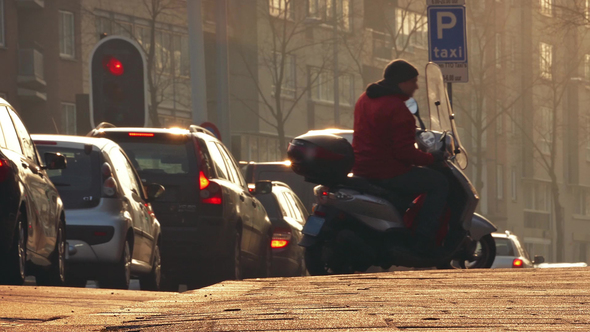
x: 30, y: 69
x: 30, y: 4
x: 31, y: 95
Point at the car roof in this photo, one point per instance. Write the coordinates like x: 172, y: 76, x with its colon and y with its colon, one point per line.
x: 173, y: 130
x: 145, y: 130
x: 100, y: 143
x: 281, y: 184
x: 505, y: 235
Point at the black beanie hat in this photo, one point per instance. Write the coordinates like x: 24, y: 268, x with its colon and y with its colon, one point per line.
x: 398, y: 71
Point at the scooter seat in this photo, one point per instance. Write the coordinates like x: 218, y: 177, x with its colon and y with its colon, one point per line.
x: 400, y: 202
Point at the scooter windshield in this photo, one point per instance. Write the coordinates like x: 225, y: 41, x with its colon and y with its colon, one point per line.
x: 441, y: 113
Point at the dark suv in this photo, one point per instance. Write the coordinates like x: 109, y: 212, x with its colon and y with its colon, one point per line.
x: 212, y: 226
x: 32, y: 220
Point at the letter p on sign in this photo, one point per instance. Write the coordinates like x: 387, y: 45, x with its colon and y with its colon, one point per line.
x: 441, y: 25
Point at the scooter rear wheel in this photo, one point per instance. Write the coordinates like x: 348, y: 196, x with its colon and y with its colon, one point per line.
x: 313, y: 260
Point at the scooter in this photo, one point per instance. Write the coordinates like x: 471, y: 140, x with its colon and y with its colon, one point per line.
x: 356, y: 224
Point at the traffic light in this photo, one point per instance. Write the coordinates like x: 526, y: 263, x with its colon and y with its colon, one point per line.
x: 118, y: 83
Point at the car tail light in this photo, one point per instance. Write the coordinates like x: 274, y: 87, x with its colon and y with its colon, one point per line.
x: 280, y: 237
x: 4, y: 170
x: 211, y: 192
x: 517, y: 263
x: 109, y: 184
x: 109, y: 187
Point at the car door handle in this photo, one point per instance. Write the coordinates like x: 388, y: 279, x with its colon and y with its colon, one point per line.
x: 242, y: 197
x: 25, y: 164
x: 254, y: 204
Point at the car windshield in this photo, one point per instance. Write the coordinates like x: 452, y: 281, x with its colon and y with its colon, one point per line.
x: 504, y: 247
x: 79, y: 183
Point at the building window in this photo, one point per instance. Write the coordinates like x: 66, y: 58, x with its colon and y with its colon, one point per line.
x: 537, y: 205
x: 587, y: 66
x: 288, y: 83
x: 546, y: 60
x: 546, y: 129
x: 582, y: 201
x: 381, y: 46
x: 499, y: 182
x: 2, y: 40
x: 547, y: 7
x: 323, y: 88
x: 413, y: 26
x: 68, y: 119
x: 313, y: 8
x: 537, y: 197
x: 587, y: 12
x: 323, y: 10
x: 66, y: 35
x: 281, y: 8
x: 513, y: 183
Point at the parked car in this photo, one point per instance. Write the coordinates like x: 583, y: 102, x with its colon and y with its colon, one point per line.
x: 510, y: 253
x: 32, y: 219
x: 213, y: 227
x: 280, y: 171
x: 287, y: 215
x: 112, y: 231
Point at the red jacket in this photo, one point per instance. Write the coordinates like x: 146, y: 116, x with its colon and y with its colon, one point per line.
x: 384, y: 137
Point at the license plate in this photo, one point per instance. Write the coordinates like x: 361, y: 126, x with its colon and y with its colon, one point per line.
x: 313, y: 226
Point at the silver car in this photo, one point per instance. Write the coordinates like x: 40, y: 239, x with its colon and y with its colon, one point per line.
x: 112, y: 231
x: 510, y: 253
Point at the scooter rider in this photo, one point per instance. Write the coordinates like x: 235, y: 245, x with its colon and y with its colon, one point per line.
x: 385, y: 154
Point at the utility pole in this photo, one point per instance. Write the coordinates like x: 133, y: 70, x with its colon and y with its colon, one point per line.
x: 335, y: 64
x: 197, y: 61
x: 222, y: 65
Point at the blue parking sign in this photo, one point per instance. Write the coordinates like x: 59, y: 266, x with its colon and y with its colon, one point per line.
x: 447, y: 36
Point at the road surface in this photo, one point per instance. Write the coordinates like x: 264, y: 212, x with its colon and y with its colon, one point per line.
x: 448, y: 300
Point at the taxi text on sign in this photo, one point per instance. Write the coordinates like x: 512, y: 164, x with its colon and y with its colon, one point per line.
x: 447, y: 39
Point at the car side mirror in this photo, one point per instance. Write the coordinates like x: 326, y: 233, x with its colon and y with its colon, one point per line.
x: 55, y: 160
x: 263, y: 187
x: 154, y: 190
x: 538, y: 259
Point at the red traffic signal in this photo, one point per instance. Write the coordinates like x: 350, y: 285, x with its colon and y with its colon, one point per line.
x: 113, y: 65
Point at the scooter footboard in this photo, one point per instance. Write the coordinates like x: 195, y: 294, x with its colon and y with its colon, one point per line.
x: 480, y: 227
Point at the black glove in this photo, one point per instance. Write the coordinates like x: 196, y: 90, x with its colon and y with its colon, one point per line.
x: 439, y: 155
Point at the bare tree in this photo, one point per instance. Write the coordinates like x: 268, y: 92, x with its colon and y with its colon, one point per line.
x: 394, y: 29
x: 283, y: 44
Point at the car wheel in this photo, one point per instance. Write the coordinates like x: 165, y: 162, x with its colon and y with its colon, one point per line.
x: 234, y: 269
x: 119, y: 275
x: 15, y: 260
x: 265, y: 269
x: 55, y: 275
x: 153, y: 279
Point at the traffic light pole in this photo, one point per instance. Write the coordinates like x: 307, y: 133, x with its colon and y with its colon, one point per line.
x: 197, y: 61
